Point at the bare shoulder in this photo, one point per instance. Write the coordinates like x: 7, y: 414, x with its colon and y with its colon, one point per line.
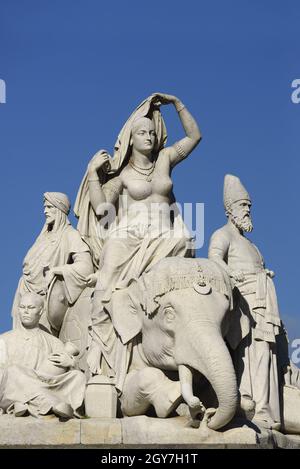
x: 163, y: 160
x: 124, y: 174
x: 164, y: 153
x: 124, y: 177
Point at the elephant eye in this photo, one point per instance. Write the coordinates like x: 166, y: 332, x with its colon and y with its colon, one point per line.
x: 169, y: 313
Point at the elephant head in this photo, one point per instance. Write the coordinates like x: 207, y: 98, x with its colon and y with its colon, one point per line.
x: 180, y: 307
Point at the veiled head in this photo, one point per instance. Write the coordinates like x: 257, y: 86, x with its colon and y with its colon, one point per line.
x: 143, y: 135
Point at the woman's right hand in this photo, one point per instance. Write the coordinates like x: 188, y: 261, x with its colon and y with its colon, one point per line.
x: 98, y: 161
x: 163, y: 98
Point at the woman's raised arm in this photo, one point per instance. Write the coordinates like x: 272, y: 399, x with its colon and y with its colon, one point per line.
x: 102, y: 196
x: 183, y: 147
x: 97, y: 196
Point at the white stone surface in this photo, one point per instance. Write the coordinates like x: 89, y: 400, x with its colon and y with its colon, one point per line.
x: 154, y: 319
x: 56, y: 266
x: 139, y: 431
x: 37, y: 374
x: 254, y: 358
x: 29, y: 431
x: 291, y: 409
x: 101, y: 431
x: 142, y: 430
x: 100, y: 398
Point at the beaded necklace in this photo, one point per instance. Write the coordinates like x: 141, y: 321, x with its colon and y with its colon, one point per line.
x: 141, y: 171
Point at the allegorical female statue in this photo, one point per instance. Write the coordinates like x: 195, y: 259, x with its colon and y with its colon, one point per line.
x: 138, y: 185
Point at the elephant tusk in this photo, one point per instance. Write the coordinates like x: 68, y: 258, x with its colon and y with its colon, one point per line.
x: 186, y: 381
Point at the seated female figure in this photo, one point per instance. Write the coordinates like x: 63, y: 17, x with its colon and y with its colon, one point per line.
x: 145, y: 230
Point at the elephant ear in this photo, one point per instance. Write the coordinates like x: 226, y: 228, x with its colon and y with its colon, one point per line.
x: 124, y: 309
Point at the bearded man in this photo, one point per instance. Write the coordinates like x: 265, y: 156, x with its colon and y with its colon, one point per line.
x: 59, y: 252
x: 256, y: 354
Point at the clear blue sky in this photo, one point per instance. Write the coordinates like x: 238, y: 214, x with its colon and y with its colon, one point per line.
x: 74, y: 71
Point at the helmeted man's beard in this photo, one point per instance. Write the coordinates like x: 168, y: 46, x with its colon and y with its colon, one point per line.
x: 242, y: 223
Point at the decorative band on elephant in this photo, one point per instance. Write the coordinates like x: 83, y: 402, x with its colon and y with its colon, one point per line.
x: 174, y: 318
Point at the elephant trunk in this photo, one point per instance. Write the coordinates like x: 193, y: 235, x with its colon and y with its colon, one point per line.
x: 204, y: 349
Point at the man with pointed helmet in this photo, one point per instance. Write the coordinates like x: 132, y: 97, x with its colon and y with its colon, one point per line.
x: 255, y: 352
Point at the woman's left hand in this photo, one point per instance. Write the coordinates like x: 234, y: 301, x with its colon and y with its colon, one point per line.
x: 165, y: 98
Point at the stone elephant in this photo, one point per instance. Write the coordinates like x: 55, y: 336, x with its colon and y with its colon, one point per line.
x: 174, y: 319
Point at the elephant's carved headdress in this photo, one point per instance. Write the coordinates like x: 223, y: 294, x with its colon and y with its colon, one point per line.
x: 128, y: 305
x: 180, y: 273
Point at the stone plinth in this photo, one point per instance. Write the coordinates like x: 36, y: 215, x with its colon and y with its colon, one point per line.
x: 175, y: 431
x: 101, y: 432
x: 30, y: 431
x: 101, y: 398
x: 143, y: 432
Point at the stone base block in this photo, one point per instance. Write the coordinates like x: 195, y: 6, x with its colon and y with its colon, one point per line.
x: 30, y: 431
x: 137, y: 432
x: 101, y: 398
x: 101, y: 432
x: 176, y: 431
